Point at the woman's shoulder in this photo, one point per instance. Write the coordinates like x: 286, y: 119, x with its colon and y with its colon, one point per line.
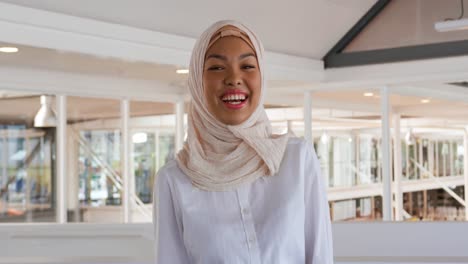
x: 299, y: 144
x: 172, y: 174
x: 168, y: 168
x: 302, y: 150
x: 293, y: 140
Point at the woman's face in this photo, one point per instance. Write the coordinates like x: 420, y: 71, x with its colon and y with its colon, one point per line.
x: 231, y: 79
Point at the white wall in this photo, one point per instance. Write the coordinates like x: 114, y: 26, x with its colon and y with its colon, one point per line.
x: 379, y: 242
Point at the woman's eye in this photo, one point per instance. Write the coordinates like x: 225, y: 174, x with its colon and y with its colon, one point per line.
x: 215, y: 68
x: 248, y: 67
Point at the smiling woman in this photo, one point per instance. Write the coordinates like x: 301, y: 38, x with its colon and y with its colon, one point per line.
x: 231, y: 79
x: 237, y: 193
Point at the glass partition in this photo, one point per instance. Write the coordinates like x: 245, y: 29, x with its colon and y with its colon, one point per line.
x: 27, y: 163
x: 432, y: 152
x: 347, y: 137
x: 153, y: 145
x: 346, y: 131
x: 95, y: 176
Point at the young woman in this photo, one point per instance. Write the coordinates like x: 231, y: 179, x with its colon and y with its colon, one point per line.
x: 237, y: 193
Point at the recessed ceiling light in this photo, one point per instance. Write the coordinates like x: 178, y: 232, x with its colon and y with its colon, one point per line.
x: 368, y: 94
x: 182, y: 71
x: 8, y: 49
x: 425, y: 101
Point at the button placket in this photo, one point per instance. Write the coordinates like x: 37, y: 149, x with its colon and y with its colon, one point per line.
x: 245, y: 211
x: 249, y: 226
x: 252, y: 241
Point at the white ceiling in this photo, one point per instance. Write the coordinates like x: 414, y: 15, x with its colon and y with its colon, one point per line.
x: 49, y: 59
x: 54, y: 60
x: 307, y: 28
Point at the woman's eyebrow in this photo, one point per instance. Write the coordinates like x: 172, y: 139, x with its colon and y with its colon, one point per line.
x: 224, y: 58
x: 216, y: 56
x: 245, y: 55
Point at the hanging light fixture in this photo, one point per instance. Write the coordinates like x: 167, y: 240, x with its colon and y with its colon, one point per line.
x: 324, y: 138
x: 46, y: 116
x: 409, y: 137
x: 139, y: 138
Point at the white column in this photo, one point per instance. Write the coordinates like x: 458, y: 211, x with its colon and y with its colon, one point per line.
x: 430, y: 155
x: 444, y: 159
x: 73, y: 178
x: 289, y: 126
x: 27, y: 189
x: 308, y: 116
x: 415, y: 155
x: 451, y: 158
x: 437, y: 158
x: 379, y: 157
x: 156, y: 148
x: 180, y: 131
x: 465, y: 169
x: 131, y: 177
x: 125, y: 162
x: 61, y: 159
x: 397, y: 168
x: 420, y: 156
x: 407, y: 161
x: 3, y: 204
x: 386, y: 177
x: 357, y: 147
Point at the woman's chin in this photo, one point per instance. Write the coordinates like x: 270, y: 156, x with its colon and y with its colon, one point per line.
x: 233, y: 120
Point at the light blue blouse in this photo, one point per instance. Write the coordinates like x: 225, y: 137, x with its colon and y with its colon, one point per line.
x: 280, y: 219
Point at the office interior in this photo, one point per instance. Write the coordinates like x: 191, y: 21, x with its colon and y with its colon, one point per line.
x: 94, y: 99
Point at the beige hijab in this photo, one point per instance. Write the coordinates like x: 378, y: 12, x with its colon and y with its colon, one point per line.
x: 220, y: 157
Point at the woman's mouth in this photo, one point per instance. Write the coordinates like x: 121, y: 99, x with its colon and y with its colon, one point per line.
x: 234, y: 100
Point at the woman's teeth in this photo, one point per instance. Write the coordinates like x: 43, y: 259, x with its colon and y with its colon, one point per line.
x: 234, y: 98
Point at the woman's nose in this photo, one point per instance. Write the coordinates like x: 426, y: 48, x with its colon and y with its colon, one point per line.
x: 233, y: 78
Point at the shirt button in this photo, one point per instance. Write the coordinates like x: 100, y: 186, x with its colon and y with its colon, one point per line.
x: 251, y: 242
x: 245, y: 211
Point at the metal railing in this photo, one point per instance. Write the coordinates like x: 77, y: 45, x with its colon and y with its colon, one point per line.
x: 112, y: 174
x: 440, y: 183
